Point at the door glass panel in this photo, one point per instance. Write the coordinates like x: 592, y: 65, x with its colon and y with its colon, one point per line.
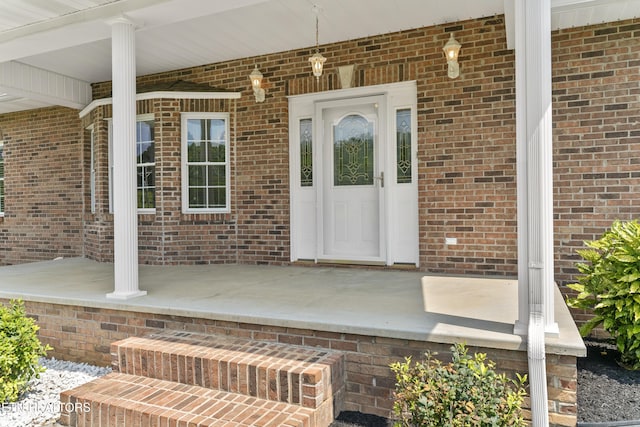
x: 306, y: 153
x: 403, y: 145
x: 353, y: 151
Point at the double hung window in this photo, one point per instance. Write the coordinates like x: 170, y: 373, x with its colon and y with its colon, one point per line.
x: 205, y: 162
x: 145, y: 164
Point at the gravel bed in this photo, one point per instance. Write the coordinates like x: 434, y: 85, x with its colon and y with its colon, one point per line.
x: 40, y: 406
x: 606, y: 393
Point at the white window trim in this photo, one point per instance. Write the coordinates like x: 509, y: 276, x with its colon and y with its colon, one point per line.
x: 2, y: 179
x: 92, y: 168
x: 185, y: 172
x: 139, y: 118
x: 145, y: 118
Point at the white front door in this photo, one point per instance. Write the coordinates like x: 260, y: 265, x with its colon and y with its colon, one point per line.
x: 351, y: 229
x: 341, y: 145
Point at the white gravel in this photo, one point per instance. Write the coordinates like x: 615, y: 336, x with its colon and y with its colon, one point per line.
x: 40, y: 406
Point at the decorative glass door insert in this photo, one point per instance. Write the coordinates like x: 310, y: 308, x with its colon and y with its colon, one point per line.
x: 353, y: 151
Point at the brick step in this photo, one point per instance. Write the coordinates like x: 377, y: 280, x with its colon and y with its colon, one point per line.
x: 272, y: 371
x: 118, y: 399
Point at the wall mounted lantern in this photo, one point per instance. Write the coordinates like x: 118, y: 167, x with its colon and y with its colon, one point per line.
x: 451, y: 51
x: 317, y: 60
x: 256, y: 84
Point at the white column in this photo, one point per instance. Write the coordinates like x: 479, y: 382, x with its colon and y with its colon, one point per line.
x: 125, y: 217
x: 521, y: 325
x: 534, y: 163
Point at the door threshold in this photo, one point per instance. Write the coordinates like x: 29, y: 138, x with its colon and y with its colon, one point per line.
x: 351, y: 262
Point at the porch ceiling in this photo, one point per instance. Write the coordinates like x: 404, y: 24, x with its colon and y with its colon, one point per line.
x: 72, y: 37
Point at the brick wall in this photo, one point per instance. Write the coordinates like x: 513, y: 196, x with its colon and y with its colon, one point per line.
x: 85, y: 334
x: 44, y: 185
x: 466, y: 153
x: 596, y: 96
x: 466, y: 148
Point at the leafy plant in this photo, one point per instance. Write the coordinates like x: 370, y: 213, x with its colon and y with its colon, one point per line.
x: 465, y: 392
x: 610, y: 286
x: 20, y: 350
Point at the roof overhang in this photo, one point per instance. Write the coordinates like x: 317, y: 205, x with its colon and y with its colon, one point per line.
x: 72, y: 43
x: 162, y: 95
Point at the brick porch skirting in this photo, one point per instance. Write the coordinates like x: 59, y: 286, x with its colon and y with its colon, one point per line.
x: 85, y: 334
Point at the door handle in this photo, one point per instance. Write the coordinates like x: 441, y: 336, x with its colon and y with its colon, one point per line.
x: 381, y: 178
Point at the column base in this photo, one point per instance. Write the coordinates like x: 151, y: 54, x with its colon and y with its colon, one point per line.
x: 521, y: 328
x: 126, y: 295
x: 551, y: 331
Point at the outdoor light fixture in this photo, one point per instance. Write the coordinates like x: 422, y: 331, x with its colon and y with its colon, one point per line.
x: 451, y: 50
x: 256, y: 84
x: 317, y: 60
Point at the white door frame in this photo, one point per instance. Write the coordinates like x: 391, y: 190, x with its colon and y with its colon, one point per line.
x: 401, y: 230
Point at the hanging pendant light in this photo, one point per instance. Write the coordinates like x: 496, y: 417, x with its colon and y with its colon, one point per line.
x: 317, y: 60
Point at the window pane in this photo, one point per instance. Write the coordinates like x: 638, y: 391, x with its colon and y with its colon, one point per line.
x: 217, y: 130
x: 146, y: 176
x: 197, y: 198
x: 306, y: 153
x: 217, y: 175
x: 196, y: 151
x: 353, y: 151
x: 197, y: 176
x: 195, y: 131
x: 217, y: 198
x: 144, y: 131
x: 216, y: 151
x: 403, y: 145
x: 145, y: 152
x: 146, y: 198
x: 146, y: 187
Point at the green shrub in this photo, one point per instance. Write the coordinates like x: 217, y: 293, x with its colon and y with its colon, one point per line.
x: 20, y: 350
x: 465, y: 392
x: 610, y: 286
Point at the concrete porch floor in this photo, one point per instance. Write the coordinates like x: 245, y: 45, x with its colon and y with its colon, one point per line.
x: 478, y: 311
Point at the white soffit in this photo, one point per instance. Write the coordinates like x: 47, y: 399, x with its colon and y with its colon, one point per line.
x: 577, y: 13
x: 26, y: 86
x: 176, y: 34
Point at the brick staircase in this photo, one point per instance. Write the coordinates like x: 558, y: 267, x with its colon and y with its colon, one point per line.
x: 185, y: 379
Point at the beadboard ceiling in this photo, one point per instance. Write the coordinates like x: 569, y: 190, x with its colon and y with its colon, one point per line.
x: 72, y: 37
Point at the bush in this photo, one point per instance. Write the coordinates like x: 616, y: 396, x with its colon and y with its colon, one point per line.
x: 610, y: 286
x: 465, y: 392
x: 20, y: 350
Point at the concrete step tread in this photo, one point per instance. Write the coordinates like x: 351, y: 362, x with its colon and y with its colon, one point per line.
x: 121, y: 399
